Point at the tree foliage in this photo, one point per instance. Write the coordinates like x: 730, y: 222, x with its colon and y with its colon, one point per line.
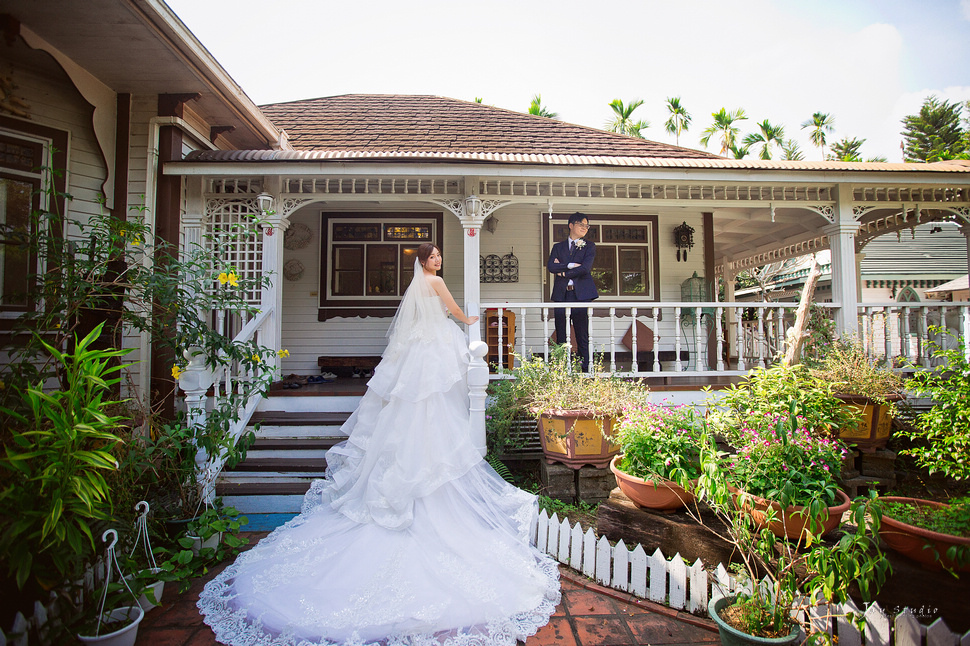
x: 820, y: 124
x: 936, y: 133
x: 679, y: 120
x: 622, y: 121
x: 767, y: 136
x: 540, y: 110
x: 724, y: 125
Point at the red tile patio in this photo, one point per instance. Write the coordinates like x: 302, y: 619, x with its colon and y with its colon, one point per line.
x: 589, y: 615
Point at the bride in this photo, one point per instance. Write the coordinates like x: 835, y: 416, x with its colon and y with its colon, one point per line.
x: 411, y: 538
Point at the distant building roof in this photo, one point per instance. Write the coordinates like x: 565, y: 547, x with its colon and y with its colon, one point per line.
x: 434, y: 124
x: 960, y: 284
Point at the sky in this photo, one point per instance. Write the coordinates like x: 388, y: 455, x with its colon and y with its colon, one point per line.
x: 868, y: 63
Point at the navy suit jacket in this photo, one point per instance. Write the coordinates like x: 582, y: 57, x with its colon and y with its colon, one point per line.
x: 581, y: 276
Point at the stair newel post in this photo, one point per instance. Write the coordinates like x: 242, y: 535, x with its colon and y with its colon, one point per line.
x: 477, y: 382
x: 195, y: 381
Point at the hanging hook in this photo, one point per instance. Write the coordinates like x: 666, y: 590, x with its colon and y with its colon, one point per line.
x: 139, y: 504
x: 114, y: 537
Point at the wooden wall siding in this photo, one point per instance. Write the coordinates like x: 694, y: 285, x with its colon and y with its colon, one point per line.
x: 519, y: 231
x: 673, y: 583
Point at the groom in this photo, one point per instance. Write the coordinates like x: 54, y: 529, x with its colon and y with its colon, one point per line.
x: 571, y: 261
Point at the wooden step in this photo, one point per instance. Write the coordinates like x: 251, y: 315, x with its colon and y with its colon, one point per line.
x: 284, y: 418
x: 294, y: 443
x: 262, y: 488
x: 283, y: 465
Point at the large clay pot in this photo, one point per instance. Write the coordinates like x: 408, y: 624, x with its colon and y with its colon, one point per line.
x: 660, y: 495
x: 790, y: 523
x: 731, y: 636
x: 921, y: 545
x: 576, y: 439
x: 124, y: 636
x: 875, y: 425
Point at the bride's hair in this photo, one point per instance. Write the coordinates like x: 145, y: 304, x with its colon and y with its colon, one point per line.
x: 425, y: 251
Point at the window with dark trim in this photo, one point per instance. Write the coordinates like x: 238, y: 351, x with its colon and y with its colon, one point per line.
x: 20, y: 195
x: 367, y: 260
x: 627, y: 266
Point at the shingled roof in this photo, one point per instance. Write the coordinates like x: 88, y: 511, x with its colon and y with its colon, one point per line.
x: 434, y: 124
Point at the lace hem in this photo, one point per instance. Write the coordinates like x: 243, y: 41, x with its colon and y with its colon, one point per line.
x: 235, y: 628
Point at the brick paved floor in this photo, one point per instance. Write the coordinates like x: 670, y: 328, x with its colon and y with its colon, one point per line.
x: 589, y: 615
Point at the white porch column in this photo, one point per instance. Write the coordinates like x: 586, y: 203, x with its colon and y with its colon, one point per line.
x: 965, y: 230
x: 731, y: 332
x: 841, y: 234
x: 273, y: 225
x: 471, y: 222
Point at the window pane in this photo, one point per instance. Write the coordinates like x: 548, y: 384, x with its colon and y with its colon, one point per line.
x: 604, y: 270
x: 625, y: 233
x: 561, y: 232
x: 381, y: 270
x: 408, y: 254
x: 348, y: 270
x: 362, y: 232
x: 16, y: 200
x: 415, y: 232
x: 633, y: 270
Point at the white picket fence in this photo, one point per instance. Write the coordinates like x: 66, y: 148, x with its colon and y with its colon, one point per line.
x: 675, y: 584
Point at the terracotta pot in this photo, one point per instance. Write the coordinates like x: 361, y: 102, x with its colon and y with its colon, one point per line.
x: 875, y: 425
x: 921, y: 545
x: 731, y: 636
x: 661, y: 495
x: 576, y: 439
x: 791, y: 523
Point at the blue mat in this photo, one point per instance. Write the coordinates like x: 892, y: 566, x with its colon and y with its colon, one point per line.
x: 266, y: 522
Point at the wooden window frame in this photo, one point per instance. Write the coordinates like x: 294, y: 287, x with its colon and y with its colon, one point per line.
x: 331, y: 306
x: 599, y: 220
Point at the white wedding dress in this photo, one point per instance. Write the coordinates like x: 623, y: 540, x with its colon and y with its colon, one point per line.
x: 411, y: 538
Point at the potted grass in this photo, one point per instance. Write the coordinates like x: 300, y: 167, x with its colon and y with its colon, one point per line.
x: 660, y: 455
x: 868, y: 387
x: 576, y: 411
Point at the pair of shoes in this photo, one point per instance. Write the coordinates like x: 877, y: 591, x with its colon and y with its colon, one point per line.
x: 291, y: 385
x: 328, y: 376
x: 322, y: 379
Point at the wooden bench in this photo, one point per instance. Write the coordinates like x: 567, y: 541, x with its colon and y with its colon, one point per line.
x: 355, y: 362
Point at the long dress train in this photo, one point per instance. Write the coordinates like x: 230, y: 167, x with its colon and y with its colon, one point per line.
x: 411, y: 538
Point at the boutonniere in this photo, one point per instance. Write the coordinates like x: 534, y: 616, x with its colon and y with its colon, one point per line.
x: 580, y: 243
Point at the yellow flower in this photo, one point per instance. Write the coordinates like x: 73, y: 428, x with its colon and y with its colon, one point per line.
x: 283, y: 353
x: 256, y: 358
x: 232, y: 280
x: 177, y: 372
x: 223, y: 277
x: 135, y: 242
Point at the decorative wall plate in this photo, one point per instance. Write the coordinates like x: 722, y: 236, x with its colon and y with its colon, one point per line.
x: 297, y: 236
x: 293, y: 270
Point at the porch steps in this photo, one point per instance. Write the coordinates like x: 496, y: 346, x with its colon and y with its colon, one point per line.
x: 288, y: 454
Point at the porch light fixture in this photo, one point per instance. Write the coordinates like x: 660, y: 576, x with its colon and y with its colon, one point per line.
x: 265, y: 202
x: 473, y: 206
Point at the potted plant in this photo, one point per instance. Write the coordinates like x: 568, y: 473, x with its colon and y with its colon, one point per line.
x: 660, y: 453
x: 576, y: 411
x: 111, y: 615
x: 935, y: 534
x: 781, y: 465
x: 777, y: 578
x: 866, y: 385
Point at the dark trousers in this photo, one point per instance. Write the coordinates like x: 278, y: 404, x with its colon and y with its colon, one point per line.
x: 580, y: 327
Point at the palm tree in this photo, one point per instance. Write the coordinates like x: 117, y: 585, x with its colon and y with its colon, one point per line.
x: 623, y: 122
x: 540, y: 110
x: 724, y: 124
x: 679, y: 119
x: 846, y: 150
x: 820, y: 123
x: 790, y: 149
x: 769, y: 135
x: 739, y: 152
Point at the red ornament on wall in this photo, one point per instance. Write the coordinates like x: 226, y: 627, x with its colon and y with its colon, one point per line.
x: 471, y: 233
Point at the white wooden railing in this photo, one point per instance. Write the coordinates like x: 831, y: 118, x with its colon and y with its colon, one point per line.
x: 722, y: 338
x: 673, y: 583
x: 229, y: 375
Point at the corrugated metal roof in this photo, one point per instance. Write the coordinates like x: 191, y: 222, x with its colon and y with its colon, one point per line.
x: 566, y: 160
x: 935, y: 249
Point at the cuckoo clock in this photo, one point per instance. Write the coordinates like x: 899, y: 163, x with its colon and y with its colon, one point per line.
x: 683, y: 240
